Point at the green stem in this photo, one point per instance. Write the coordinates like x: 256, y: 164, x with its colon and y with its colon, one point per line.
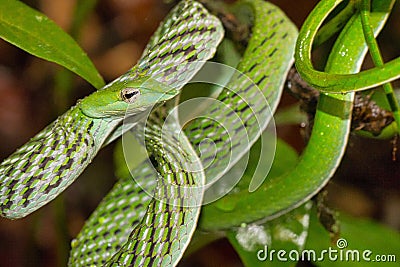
x: 377, y: 58
x: 335, y: 24
x: 61, y: 228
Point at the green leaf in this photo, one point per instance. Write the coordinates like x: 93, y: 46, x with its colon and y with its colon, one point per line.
x: 258, y: 245
x: 360, y: 235
x: 33, y: 32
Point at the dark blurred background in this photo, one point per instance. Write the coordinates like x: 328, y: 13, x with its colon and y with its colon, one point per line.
x: 33, y: 92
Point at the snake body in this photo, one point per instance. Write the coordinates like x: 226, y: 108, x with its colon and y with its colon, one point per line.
x: 130, y: 228
x: 42, y: 168
x: 38, y: 171
x: 107, y: 231
x: 171, y: 216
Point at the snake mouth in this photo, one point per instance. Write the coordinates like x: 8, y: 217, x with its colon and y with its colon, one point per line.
x: 153, y: 96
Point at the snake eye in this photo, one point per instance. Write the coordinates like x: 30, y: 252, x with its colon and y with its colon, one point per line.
x: 129, y: 95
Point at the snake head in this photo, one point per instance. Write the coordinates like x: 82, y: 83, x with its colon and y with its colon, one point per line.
x: 126, y: 96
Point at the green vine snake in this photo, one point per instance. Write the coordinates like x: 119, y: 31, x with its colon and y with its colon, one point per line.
x: 42, y: 168
x: 129, y: 227
x: 259, y: 62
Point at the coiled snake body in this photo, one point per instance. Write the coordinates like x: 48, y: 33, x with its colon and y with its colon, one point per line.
x: 130, y: 228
